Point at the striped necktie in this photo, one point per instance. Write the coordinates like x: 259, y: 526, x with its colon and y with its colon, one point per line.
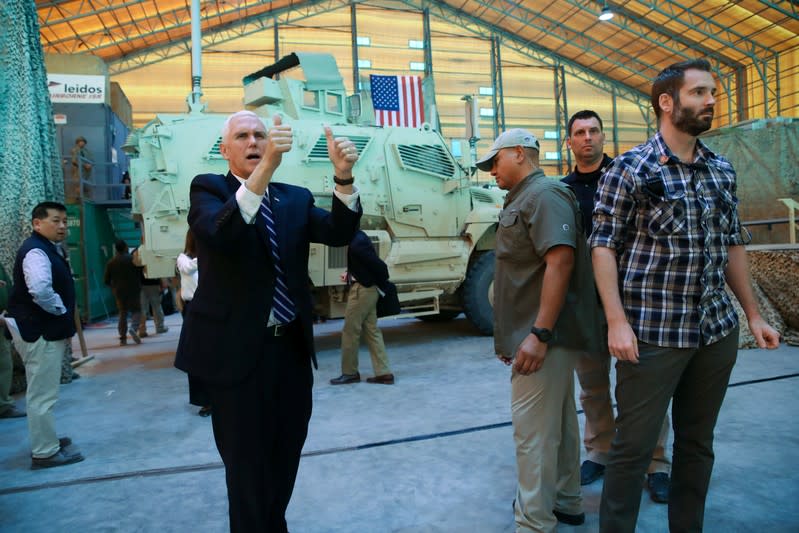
x: 282, y: 306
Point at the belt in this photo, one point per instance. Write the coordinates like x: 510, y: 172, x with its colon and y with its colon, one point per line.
x: 278, y: 330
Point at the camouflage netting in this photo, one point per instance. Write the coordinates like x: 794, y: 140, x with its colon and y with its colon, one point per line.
x: 764, y: 154
x: 775, y: 277
x: 30, y: 168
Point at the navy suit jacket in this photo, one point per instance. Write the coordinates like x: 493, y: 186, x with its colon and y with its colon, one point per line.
x: 364, y: 264
x: 222, y: 338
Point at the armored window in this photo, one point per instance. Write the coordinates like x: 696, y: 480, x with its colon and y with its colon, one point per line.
x: 335, y: 103
x: 310, y: 99
x: 427, y: 158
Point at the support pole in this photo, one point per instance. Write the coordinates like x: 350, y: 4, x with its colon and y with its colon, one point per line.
x: 356, y: 74
x: 615, y: 125
x: 497, y: 94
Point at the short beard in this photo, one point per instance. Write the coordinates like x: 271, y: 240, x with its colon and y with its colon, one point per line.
x: 689, y: 122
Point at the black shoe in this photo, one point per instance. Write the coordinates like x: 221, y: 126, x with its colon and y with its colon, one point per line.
x: 590, y: 472
x: 658, y: 485
x: 344, y: 379
x: 59, y: 458
x: 13, y: 412
x: 571, y: 519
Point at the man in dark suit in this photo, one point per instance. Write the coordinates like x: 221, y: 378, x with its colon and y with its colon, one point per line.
x: 367, y: 276
x: 248, y: 336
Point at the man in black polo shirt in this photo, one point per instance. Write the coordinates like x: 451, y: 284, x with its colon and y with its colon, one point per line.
x: 586, y: 139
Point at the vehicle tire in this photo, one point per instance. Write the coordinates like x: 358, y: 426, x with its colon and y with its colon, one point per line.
x: 478, y: 293
x: 444, y: 315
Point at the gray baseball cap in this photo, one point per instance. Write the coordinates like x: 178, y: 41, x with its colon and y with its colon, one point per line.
x: 508, y: 139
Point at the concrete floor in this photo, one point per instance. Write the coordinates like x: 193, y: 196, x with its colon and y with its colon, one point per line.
x: 433, y: 453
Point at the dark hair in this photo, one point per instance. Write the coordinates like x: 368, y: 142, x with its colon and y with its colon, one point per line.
x: 121, y: 246
x: 670, y: 80
x: 189, y: 248
x: 583, y: 115
x: 41, y: 209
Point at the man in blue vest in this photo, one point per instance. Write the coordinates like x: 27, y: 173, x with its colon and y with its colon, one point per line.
x: 41, y: 313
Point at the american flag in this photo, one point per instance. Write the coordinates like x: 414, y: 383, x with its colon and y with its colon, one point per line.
x: 397, y: 100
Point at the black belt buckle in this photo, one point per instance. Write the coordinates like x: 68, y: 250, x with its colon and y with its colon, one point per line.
x: 278, y: 330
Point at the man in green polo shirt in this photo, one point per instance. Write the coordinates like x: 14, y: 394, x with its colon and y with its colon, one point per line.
x: 546, y: 313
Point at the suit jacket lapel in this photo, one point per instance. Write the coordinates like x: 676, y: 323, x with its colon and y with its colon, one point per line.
x: 233, y: 185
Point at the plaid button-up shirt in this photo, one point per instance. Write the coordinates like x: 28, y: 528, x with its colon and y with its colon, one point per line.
x: 670, y: 224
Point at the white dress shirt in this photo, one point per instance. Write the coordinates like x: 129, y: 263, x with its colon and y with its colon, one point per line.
x: 37, y: 269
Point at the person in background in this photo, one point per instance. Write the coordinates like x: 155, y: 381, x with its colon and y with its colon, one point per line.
x: 8, y: 408
x: 187, y: 268
x: 123, y: 278
x: 41, y: 311
x: 150, y: 300
x: 586, y: 139
x: 365, y: 275
x: 82, y: 162
x: 126, y: 193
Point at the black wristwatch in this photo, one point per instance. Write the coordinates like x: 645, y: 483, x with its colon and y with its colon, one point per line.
x: 543, y: 334
x: 340, y: 181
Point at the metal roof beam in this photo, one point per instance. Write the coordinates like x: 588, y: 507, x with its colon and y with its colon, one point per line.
x: 547, y: 57
x: 213, y: 36
x: 711, y: 29
x: 793, y: 13
x: 663, y: 37
x: 79, y: 13
x: 162, y: 22
x: 559, y: 31
x: 764, y: 59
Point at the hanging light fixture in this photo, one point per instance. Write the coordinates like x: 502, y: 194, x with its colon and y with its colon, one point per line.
x: 606, y: 13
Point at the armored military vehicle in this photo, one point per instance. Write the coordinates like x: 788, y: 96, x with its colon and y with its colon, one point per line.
x: 432, y: 226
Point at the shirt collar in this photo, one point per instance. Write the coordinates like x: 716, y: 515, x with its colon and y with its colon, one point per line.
x: 664, y: 155
x: 514, y: 192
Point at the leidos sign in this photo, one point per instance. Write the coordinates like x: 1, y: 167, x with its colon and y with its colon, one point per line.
x: 76, y: 89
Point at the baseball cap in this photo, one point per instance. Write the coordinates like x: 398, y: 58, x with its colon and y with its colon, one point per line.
x: 508, y: 139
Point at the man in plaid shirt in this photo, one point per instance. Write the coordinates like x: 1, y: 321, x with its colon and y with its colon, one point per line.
x: 666, y: 238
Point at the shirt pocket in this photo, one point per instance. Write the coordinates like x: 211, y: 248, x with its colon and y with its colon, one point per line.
x: 669, y: 214
x: 724, y: 211
x: 511, y: 235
